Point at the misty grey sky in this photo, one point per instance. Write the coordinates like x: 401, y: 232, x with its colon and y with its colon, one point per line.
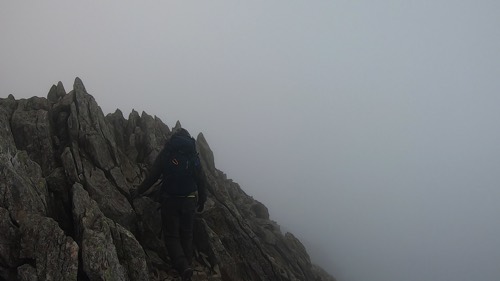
x: 370, y: 129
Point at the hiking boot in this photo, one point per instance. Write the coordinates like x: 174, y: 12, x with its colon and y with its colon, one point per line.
x: 186, y: 274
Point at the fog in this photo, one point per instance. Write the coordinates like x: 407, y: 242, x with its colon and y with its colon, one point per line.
x: 370, y: 129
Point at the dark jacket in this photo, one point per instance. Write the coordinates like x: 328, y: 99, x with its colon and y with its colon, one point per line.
x: 173, y: 187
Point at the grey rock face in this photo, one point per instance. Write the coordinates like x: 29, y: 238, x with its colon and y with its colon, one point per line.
x: 111, y: 251
x: 10, y: 237
x: 66, y: 214
x: 31, y: 130
x: 55, y: 254
x: 7, y: 144
x: 22, y: 188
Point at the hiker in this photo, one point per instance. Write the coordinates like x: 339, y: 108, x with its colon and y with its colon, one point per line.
x: 182, y: 194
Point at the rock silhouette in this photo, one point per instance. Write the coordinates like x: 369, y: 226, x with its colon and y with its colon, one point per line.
x: 66, y: 213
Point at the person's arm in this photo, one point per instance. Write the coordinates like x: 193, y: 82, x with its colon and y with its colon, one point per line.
x: 153, y: 175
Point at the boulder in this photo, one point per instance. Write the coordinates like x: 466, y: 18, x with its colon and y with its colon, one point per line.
x: 55, y: 255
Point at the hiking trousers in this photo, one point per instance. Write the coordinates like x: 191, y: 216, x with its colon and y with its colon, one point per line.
x: 177, y: 221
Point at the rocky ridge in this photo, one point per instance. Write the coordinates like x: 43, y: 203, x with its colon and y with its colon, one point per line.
x: 66, y: 214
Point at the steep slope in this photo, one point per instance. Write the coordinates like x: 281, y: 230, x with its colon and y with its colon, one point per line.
x: 66, y: 214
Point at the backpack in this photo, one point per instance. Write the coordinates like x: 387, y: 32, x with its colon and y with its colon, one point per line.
x: 180, y: 164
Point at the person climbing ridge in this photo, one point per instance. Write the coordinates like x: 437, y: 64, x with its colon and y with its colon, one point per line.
x: 182, y: 194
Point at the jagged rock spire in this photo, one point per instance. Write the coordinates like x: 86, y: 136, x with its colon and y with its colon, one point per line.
x: 56, y: 92
x: 52, y: 95
x: 78, y: 85
x: 206, y: 153
x: 60, y: 91
x: 177, y: 126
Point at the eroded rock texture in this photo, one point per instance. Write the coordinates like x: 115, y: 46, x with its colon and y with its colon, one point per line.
x: 66, y: 214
